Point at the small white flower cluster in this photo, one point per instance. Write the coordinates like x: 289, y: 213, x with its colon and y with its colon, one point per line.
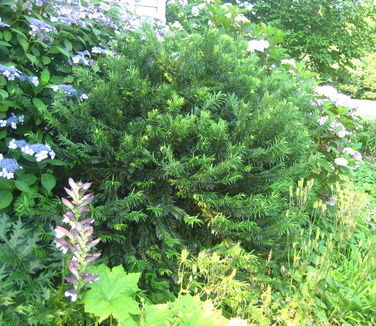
x: 39, y: 151
x: 12, y: 121
x: 332, y: 94
x: 257, y: 45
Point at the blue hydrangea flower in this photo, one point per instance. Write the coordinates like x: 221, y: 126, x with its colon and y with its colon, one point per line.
x: 7, y: 167
x: 68, y: 89
x: 99, y: 50
x: 12, y: 121
x: 81, y: 57
x: 11, y: 73
x: 3, y: 24
x: 40, y: 29
x: 39, y: 151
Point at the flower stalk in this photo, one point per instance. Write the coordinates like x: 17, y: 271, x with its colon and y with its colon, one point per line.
x: 77, y: 238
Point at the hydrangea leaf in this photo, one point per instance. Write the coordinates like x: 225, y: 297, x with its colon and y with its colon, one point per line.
x: 6, y: 198
x: 113, y: 294
x: 48, y: 181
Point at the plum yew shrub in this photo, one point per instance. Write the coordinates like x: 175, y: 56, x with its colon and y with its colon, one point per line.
x: 189, y: 141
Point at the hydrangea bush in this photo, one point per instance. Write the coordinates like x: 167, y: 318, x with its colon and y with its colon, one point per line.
x: 40, y: 44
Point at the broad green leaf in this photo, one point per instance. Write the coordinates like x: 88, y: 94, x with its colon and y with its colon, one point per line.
x: 6, y: 198
x: 22, y: 186
x: 46, y: 60
x: 29, y: 179
x: 45, y: 76
x: 3, y: 94
x: 23, y: 42
x: 5, y: 184
x: 5, y: 44
x: 3, y: 133
x: 33, y: 59
x: 48, y: 181
x: 63, y: 51
x: 7, y: 36
x: 39, y: 104
x: 113, y: 294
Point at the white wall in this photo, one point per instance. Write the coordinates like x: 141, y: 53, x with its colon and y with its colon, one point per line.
x: 151, y: 8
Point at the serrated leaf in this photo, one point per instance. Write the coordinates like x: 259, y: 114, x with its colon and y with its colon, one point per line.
x: 6, y: 198
x: 185, y: 310
x: 113, y: 294
x: 48, y: 181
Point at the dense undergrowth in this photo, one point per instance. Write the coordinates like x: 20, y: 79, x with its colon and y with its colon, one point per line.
x: 228, y: 187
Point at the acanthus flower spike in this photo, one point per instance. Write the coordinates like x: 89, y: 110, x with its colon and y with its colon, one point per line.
x: 78, y: 238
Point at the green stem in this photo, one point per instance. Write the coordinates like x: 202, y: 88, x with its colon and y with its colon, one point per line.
x: 64, y: 273
x: 110, y: 320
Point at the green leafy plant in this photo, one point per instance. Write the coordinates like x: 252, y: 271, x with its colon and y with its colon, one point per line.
x: 27, y: 281
x: 189, y: 148
x: 113, y: 295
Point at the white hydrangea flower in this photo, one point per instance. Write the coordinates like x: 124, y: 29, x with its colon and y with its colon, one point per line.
x: 257, y: 45
x: 195, y: 11
x: 290, y: 62
x: 341, y: 161
x: 348, y: 150
x: 326, y: 91
x: 323, y: 120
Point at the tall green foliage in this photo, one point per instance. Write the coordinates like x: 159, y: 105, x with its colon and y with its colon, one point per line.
x: 188, y: 141
x: 330, y: 33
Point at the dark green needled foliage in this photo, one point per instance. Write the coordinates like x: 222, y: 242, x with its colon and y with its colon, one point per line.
x: 188, y: 141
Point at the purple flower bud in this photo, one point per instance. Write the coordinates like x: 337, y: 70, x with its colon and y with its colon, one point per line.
x: 62, y: 244
x: 91, y: 257
x: 67, y: 203
x: 88, y: 221
x: 88, y: 278
x: 61, y: 232
x: 71, y: 280
x: 73, y: 267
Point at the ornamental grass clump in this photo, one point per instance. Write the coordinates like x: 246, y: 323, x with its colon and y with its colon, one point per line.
x: 78, y: 240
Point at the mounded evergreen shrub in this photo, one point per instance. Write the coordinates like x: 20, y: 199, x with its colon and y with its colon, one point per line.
x: 189, y: 141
